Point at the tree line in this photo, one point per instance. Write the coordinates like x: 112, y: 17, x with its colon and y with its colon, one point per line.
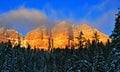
x: 95, y: 57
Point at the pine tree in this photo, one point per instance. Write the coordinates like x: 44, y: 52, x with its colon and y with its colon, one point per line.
x: 96, y: 37
x: 2, y: 55
x: 81, y: 40
x: 116, y: 33
x: 114, y: 61
x: 114, y: 56
x: 107, y: 48
x: 8, y: 57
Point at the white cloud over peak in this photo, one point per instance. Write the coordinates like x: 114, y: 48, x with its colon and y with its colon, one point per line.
x: 22, y: 18
x: 22, y: 15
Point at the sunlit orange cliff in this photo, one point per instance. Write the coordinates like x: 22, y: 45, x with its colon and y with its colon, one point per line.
x: 61, y: 35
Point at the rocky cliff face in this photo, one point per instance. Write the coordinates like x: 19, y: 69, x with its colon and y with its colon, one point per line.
x: 3, y: 35
x: 10, y: 34
x: 37, y: 38
x: 88, y: 33
x: 61, y: 35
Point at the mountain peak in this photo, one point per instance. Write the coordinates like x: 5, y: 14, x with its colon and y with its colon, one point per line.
x: 12, y: 30
x: 40, y: 28
x: 84, y: 24
x: 64, y: 22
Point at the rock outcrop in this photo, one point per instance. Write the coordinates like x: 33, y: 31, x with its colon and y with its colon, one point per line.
x: 37, y: 38
x: 10, y: 34
x: 88, y: 33
x: 62, y: 34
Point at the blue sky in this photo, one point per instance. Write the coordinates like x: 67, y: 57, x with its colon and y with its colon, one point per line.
x: 30, y: 13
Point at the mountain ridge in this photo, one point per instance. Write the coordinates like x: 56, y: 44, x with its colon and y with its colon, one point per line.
x: 61, y: 35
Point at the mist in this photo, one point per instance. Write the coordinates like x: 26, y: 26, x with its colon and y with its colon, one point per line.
x: 23, y: 20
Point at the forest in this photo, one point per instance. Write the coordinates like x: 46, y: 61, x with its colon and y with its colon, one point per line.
x: 92, y: 57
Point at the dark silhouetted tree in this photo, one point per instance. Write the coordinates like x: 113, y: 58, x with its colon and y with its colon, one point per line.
x: 96, y: 37
x: 81, y: 40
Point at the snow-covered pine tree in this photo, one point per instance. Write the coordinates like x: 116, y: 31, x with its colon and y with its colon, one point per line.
x: 114, y: 56
x: 2, y: 55
x: 116, y: 32
x: 8, y: 57
x: 114, y: 61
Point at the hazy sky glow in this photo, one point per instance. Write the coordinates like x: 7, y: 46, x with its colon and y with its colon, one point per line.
x: 19, y: 14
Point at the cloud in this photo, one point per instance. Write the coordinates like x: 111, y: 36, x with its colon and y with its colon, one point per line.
x: 23, y: 19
